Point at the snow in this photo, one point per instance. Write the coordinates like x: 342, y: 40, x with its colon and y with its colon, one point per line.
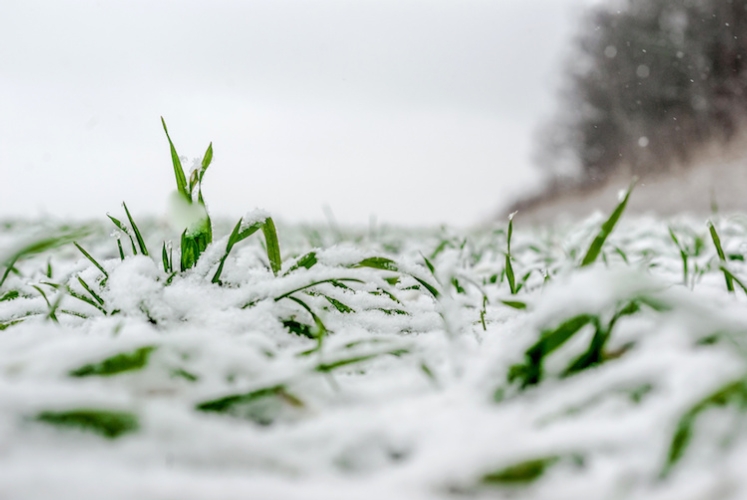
x: 426, y: 410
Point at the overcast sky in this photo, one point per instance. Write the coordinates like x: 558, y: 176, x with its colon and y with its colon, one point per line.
x: 412, y: 111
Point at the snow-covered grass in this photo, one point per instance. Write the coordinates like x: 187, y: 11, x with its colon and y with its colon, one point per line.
x: 602, y: 360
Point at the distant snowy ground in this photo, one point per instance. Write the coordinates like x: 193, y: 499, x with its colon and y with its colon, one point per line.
x: 715, y: 176
x: 624, y: 379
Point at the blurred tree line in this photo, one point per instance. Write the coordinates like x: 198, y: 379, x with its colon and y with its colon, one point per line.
x: 649, y: 82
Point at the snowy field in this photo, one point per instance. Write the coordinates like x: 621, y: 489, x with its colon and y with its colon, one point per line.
x: 378, y: 363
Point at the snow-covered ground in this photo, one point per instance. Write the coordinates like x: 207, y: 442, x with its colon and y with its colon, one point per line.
x: 409, y: 371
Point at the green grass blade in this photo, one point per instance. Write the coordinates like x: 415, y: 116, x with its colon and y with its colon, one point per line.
x: 307, y: 261
x: 181, y: 179
x: 273, y: 245
x: 609, y: 225
x: 321, y: 329
x: 733, y: 278
x: 520, y: 473
x: 10, y: 295
x: 207, y: 159
x: 126, y: 231
x: 139, y: 236
x: 119, y: 247
x: 114, y: 365
x: 683, y: 256
x: 165, y: 259
x: 90, y: 291
x: 510, y: 275
x: 37, y: 246
x: 721, y: 256
x: 109, y: 424
x: 378, y: 263
x: 731, y: 393
x: 329, y: 280
x: 90, y: 258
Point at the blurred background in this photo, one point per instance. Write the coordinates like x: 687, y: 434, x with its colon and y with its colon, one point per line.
x: 411, y: 112
x: 407, y: 112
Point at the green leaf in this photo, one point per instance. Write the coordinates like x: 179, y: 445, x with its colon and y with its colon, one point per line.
x: 207, y: 159
x: 530, y: 373
x: 273, y: 245
x: 339, y: 305
x: 733, y: 393
x: 139, y: 237
x: 520, y: 473
x: 515, y: 304
x: 307, y: 261
x: 37, y: 246
x: 109, y: 424
x: 609, y: 225
x: 298, y: 328
x: 262, y: 405
x: 721, y: 256
x: 510, y: 275
x: 10, y: 295
x: 181, y: 179
x: 114, y: 365
x: 90, y: 258
x: 190, y: 252
x: 378, y: 263
x: 126, y: 231
x: 88, y: 289
x: 333, y: 281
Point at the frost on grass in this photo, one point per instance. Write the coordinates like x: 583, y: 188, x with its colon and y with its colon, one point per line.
x: 395, y: 365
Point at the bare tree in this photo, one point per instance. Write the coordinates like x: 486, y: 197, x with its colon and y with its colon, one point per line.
x: 650, y: 82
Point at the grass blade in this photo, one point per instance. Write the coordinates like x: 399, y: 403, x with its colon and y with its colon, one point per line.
x: 609, y: 225
x: 273, y: 245
x: 37, y: 246
x: 181, y: 179
x: 732, y: 393
x: 119, y: 363
x: 126, y: 231
x: 93, y: 261
x: 88, y: 289
x: 683, y: 256
x: 109, y: 424
x: 721, y: 256
x: 139, y: 236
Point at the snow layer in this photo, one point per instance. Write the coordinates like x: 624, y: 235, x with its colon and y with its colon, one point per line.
x: 407, y: 396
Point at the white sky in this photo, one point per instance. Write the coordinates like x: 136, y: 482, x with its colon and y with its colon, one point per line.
x: 413, y: 111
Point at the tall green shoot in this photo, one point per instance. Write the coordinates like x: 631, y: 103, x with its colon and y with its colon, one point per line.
x: 722, y: 257
x: 199, y: 234
x: 609, y: 225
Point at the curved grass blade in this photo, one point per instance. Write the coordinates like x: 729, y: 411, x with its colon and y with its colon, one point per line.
x: 683, y: 255
x: 721, y: 256
x: 307, y: 261
x: 126, y: 231
x: 114, y: 365
x: 520, y: 473
x: 38, y: 246
x: 273, y: 245
x: 330, y: 280
x: 238, y: 234
x: 181, y: 179
x: 609, y: 225
x: 140, y: 242
x: 90, y: 291
x: 110, y: 424
x: 93, y: 261
x: 733, y: 393
x: 530, y: 373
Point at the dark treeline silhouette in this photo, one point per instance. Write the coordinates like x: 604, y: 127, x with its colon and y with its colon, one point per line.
x: 650, y: 81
